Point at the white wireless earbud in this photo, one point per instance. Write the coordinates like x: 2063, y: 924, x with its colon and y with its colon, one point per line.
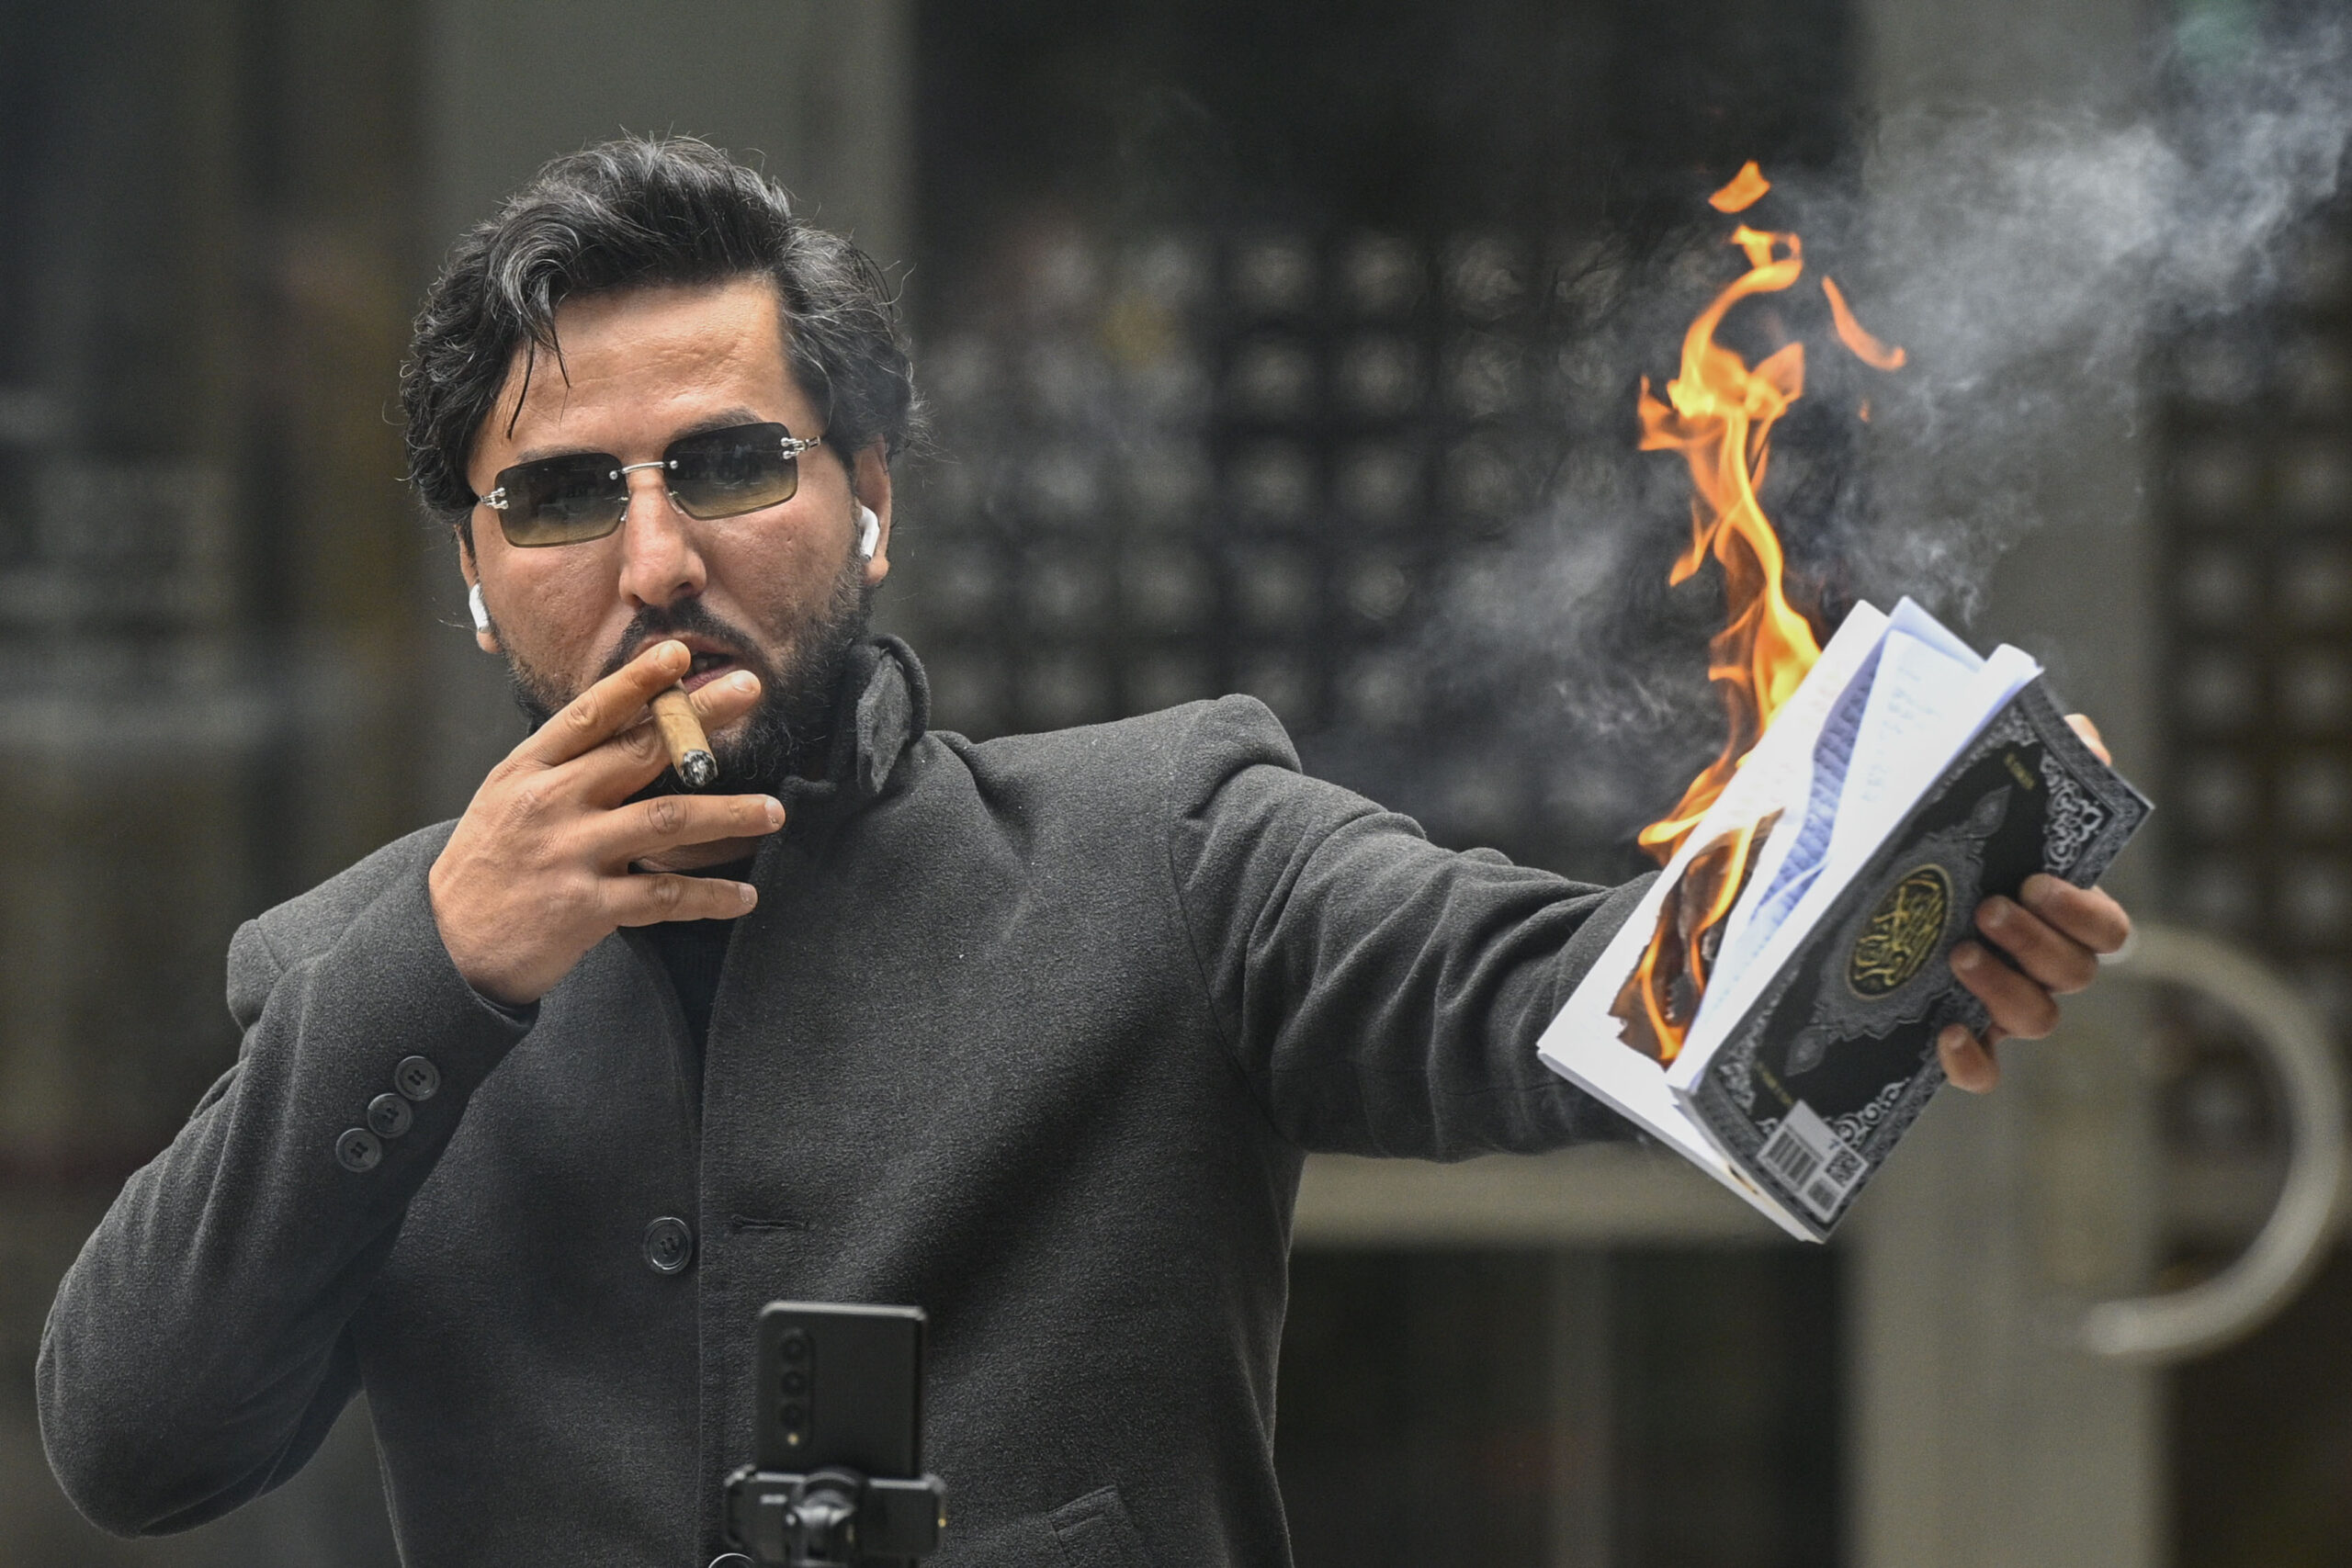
x: 481, y: 612
x: 872, y: 536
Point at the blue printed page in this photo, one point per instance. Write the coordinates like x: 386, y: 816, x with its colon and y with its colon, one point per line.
x: 1801, y: 841
x: 1882, y: 728
x: 1906, y: 732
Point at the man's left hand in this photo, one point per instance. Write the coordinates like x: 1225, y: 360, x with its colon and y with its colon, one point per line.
x: 2054, y: 934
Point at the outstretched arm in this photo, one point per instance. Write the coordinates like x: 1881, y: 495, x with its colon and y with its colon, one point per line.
x: 1381, y: 995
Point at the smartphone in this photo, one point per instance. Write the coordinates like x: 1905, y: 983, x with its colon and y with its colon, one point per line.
x: 840, y: 1385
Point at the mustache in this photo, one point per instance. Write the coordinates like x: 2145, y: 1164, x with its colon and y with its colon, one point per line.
x: 686, y: 618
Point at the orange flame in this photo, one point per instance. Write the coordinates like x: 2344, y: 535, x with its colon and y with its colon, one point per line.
x: 1866, y: 348
x: 1746, y: 189
x: 1719, y: 414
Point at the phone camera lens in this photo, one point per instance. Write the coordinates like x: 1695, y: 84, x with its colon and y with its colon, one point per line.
x: 793, y: 1347
x: 795, y: 1381
x: 791, y: 1414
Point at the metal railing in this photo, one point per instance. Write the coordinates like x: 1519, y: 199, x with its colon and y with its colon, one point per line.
x: 2181, y: 1325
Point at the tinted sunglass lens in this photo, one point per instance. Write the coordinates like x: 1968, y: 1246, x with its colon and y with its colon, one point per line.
x: 562, y: 500
x: 727, y: 472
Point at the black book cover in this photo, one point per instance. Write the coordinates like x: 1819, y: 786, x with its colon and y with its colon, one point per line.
x: 1813, y: 1087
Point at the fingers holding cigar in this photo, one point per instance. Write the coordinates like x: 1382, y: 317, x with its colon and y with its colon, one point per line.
x: 614, y: 705
x: 642, y: 743
x: 552, y: 854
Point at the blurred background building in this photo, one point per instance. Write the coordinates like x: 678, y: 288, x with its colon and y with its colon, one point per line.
x: 1268, y: 346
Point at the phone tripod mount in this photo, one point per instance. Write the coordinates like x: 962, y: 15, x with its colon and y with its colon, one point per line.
x: 832, y: 1517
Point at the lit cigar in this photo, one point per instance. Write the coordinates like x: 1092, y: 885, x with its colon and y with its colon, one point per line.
x: 682, y: 733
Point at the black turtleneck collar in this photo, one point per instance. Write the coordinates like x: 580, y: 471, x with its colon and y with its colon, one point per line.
x: 883, y: 708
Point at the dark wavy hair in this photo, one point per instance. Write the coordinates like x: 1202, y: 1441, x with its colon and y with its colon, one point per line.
x: 633, y: 213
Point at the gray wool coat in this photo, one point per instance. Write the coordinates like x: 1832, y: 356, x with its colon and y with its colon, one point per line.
x: 1034, y: 1033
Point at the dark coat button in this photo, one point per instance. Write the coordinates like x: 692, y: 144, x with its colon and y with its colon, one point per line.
x: 388, y: 1115
x: 358, y: 1150
x: 416, y: 1078
x: 669, y: 1245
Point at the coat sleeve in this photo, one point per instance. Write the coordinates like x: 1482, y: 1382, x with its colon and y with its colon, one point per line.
x: 199, y: 1350
x: 1382, y: 996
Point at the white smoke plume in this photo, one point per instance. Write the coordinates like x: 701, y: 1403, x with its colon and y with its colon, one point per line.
x: 2024, y: 262
x: 2028, y: 262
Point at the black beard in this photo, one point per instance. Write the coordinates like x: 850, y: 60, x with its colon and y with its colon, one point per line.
x: 788, y: 733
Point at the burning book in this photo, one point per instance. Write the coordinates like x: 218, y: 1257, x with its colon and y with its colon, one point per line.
x: 1771, y: 1009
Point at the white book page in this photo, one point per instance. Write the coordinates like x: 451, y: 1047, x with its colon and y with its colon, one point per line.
x: 1779, y: 770
x: 1932, y: 711
x: 1799, y: 848
x: 1920, y: 696
x: 1908, y: 617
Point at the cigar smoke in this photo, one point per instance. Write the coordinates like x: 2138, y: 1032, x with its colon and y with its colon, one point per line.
x: 2025, y: 262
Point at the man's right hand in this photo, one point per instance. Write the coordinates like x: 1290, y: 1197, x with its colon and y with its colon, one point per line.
x: 537, y: 872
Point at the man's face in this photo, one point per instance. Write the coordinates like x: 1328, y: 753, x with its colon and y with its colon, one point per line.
x: 777, y: 590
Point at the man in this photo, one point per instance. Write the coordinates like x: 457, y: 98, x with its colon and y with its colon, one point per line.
x: 535, y: 1109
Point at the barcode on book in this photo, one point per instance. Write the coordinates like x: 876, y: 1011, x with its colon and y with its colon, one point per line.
x: 1811, y: 1161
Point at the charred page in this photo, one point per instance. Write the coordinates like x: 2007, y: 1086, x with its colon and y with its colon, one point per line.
x: 1815, y: 1084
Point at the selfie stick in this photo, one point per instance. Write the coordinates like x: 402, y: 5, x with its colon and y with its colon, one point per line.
x: 829, y: 1519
